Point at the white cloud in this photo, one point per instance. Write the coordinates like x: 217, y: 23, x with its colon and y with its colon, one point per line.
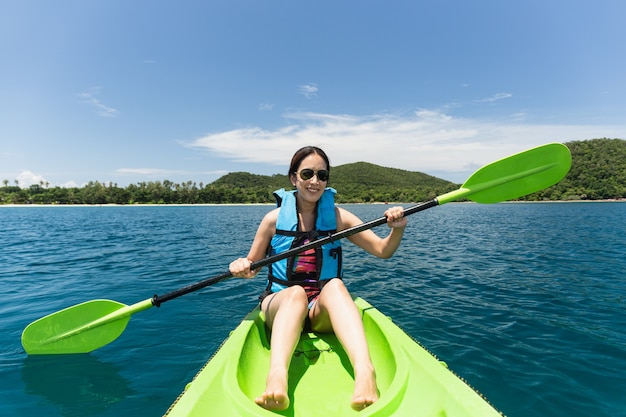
x: 90, y: 98
x: 495, y: 97
x: 308, y: 90
x: 265, y: 106
x: 28, y: 178
x: 426, y: 140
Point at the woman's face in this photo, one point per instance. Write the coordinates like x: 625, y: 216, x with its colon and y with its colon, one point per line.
x: 311, y: 189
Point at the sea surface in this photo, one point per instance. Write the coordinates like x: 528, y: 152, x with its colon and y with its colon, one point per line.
x: 525, y: 301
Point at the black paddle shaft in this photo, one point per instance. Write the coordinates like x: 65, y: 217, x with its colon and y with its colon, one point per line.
x: 158, y: 299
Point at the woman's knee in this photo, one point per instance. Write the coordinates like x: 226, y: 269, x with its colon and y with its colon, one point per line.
x: 291, y: 301
x: 336, y: 286
x: 295, y: 297
x: 334, y: 293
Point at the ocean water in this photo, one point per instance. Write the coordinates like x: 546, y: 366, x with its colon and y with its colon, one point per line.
x: 525, y: 301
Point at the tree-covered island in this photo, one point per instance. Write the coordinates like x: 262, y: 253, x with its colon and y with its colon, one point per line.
x: 598, y: 173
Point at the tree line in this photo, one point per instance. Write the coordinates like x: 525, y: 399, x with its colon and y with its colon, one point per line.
x: 153, y: 192
x: 598, y: 172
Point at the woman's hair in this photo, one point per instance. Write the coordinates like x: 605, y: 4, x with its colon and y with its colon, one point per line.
x: 303, y: 153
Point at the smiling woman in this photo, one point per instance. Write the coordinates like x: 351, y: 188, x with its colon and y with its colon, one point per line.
x: 306, y: 291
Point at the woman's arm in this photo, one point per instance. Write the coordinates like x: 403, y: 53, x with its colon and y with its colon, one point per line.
x: 367, y: 239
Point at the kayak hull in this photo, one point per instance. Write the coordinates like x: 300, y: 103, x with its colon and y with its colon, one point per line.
x: 411, y: 381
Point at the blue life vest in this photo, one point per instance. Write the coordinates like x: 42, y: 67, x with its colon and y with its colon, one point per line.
x: 288, y: 235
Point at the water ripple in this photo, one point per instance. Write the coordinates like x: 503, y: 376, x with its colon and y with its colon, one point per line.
x: 524, y: 301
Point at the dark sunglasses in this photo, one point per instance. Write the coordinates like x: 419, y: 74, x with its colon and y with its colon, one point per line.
x: 308, y: 173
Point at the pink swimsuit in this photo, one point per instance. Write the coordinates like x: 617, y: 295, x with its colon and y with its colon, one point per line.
x: 306, y: 263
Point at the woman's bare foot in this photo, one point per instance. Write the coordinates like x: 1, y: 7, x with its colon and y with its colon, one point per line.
x: 275, y: 396
x: 365, y: 391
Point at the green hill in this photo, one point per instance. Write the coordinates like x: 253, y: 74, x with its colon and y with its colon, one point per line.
x: 248, y: 180
x: 598, y: 173
x: 365, y: 182
x: 355, y: 183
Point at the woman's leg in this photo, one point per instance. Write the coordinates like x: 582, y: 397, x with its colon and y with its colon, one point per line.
x: 335, y: 311
x: 285, y: 312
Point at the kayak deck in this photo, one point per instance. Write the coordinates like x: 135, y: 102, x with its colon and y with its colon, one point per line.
x: 410, y: 380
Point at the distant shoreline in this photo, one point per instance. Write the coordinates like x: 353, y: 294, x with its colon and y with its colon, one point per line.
x: 273, y: 204
x: 138, y: 205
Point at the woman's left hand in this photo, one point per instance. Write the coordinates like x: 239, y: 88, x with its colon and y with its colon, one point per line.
x: 395, y: 217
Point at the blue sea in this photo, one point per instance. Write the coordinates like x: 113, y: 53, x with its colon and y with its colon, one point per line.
x: 525, y: 301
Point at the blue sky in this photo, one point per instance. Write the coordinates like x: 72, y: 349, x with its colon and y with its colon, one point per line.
x: 131, y: 91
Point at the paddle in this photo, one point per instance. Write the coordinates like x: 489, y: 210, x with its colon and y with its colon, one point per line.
x: 93, y: 324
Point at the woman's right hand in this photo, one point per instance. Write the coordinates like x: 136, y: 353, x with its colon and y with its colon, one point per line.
x: 240, y: 268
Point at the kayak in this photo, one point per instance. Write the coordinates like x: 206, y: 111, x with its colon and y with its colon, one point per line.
x: 411, y: 381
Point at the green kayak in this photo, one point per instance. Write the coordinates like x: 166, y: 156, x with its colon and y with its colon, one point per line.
x: 411, y: 381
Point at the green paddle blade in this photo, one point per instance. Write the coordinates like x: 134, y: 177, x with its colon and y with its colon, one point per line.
x: 515, y: 176
x: 80, y: 328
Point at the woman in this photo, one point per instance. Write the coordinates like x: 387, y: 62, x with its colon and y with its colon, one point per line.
x: 308, y: 289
